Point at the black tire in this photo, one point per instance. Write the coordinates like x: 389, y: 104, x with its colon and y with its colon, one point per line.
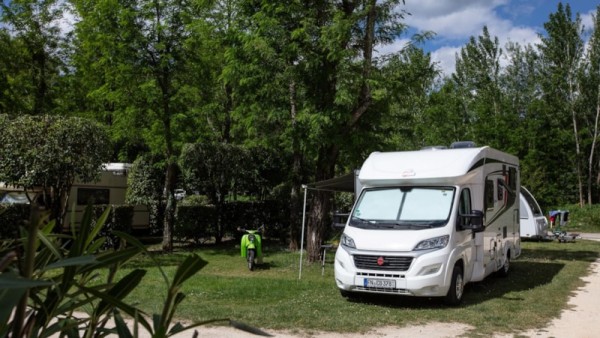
x: 505, y: 269
x: 251, y: 254
x: 348, y: 294
x: 457, y: 287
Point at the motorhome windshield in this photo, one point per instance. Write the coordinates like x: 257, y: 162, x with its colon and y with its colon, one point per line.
x: 403, y: 208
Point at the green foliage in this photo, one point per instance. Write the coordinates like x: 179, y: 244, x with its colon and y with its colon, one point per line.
x: 49, y: 153
x: 119, y: 220
x: 195, y: 223
x: 199, y: 222
x: 32, y: 60
x: 42, y: 288
x: 581, y: 219
x: 12, y: 216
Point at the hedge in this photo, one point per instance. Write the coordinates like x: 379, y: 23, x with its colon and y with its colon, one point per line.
x: 11, y: 217
x: 197, y: 223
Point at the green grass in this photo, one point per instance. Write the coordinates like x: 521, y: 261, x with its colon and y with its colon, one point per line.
x: 272, y: 297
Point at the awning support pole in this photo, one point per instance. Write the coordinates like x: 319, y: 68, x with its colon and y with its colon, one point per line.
x: 302, y: 235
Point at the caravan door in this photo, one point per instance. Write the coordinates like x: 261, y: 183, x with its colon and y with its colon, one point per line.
x: 533, y: 222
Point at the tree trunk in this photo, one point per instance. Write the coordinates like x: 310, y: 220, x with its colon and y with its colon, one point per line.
x: 593, y: 149
x: 320, y: 204
x: 167, y: 243
x: 296, y: 179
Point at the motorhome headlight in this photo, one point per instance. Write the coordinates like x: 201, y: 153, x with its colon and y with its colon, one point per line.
x: 347, y: 241
x: 433, y: 243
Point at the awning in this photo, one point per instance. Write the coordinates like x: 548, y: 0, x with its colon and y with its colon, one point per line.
x: 345, y: 183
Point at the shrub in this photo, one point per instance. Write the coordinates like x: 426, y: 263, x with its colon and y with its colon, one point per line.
x: 195, y: 222
x: 12, y: 216
x: 119, y: 219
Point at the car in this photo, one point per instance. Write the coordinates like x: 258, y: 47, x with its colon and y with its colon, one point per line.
x: 179, y: 194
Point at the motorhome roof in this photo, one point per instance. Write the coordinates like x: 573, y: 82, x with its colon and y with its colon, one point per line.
x: 433, y: 165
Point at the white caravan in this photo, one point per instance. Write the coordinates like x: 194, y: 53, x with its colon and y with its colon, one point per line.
x: 427, y: 222
x: 110, y: 189
x: 534, y: 224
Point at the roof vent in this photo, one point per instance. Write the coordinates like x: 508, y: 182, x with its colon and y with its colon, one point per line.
x: 462, y: 144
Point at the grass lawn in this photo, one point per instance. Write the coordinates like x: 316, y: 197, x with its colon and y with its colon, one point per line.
x: 272, y: 297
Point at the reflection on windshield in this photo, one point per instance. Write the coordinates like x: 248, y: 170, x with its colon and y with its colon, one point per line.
x: 403, y: 208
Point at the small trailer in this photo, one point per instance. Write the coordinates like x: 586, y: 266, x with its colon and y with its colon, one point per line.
x: 534, y: 224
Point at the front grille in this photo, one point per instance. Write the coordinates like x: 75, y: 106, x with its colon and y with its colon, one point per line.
x: 381, y: 290
x: 394, y: 263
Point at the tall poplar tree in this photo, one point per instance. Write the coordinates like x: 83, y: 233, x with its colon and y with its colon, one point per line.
x: 562, y: 49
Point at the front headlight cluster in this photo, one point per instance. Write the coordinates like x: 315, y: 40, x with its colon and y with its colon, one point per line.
x: 433, y: 243
x: 347, y: 241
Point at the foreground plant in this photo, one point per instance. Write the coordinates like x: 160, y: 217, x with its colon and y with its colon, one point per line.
x: 57, y: 284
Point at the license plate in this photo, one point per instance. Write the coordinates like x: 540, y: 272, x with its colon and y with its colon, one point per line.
x: 380, y: 283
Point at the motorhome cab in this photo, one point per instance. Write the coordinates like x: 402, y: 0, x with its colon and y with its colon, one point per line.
x: 534, y: 224
x: 428, y: 222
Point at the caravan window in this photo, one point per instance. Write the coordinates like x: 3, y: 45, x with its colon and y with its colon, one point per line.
x: 403, y: 208
x: 93, y: 196
x: 535, y: 208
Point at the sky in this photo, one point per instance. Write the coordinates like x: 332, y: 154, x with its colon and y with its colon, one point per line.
x: 455, y: 21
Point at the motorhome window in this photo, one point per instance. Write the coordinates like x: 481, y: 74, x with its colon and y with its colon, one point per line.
x: 489, y: 194
x: 464, y: 208
x: 512, y: 177
x: 419, y: 206
x: 500, y: 190
x: 93, y: 196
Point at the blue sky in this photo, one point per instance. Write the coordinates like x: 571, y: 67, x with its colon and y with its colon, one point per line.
x: 454, y: 21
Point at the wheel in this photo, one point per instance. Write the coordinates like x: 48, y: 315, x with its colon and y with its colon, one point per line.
x: 349, y: 295
x: 457, y: 287
x: 503, y: 272
x: 251, y: 254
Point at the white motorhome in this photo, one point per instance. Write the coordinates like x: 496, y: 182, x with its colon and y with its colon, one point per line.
x: 110, y: 189
x: 534, y: 224
x: 428, y: 222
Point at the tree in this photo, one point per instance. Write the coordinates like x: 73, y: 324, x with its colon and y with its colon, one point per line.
x: 336, y: 52
x: 591, y: 97
x: 478, y: 79
x: 561, y: 52
x: 136, y: 53
x: 50, y: 153
x: 34, y: 54
x: 215, y: 169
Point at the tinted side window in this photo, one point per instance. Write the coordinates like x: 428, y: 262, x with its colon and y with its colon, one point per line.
x: 464, y: 207
x: 93, y: 196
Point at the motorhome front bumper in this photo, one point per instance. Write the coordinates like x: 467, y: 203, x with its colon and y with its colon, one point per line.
x: 415, y: 275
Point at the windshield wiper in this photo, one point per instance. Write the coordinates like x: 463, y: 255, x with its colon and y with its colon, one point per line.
x: 359, y: 220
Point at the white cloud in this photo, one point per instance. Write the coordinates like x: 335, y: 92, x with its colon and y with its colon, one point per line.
x: 452, y: 19
x: 445, y: 58
x: 587, y: 19
x: 395, y: 47
x: 454, y: 22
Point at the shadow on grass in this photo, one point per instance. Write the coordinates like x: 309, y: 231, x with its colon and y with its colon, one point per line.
x: 524, y: 276
x: 536, y: 267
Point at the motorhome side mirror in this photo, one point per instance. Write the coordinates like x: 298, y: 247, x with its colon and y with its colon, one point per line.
x: 339, y: 220
x: 473, y: 221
